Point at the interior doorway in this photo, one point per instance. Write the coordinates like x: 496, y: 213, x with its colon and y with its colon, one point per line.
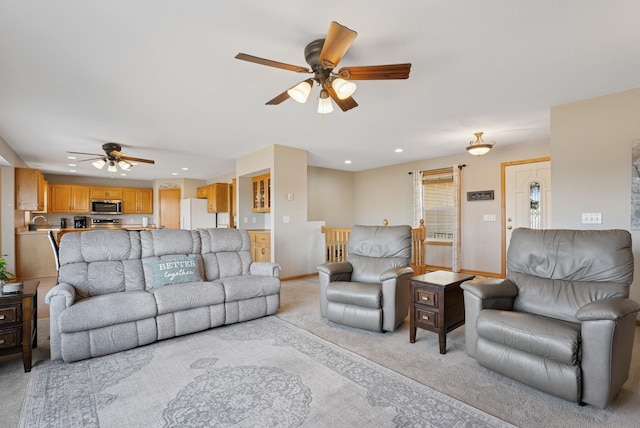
x: 526, y: 198
x: 169, y: 204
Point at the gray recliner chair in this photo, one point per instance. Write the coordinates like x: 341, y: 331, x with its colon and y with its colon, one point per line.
x: 561, y: 321
x: 370, y: 290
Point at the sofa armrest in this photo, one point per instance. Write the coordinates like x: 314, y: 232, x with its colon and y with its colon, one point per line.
x: 335, y: 268
x: 63, y: 290
x: 490, y: 288
x: 395, y: 273
x: 608, y: 309
x: 482, y: 294
x: 265, y: 269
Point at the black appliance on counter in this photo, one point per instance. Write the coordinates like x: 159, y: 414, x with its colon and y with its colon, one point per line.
x: 63, y: 223
x: 80, y: 222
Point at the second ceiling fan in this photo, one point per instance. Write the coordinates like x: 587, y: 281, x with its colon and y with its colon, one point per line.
x: 323, y: 56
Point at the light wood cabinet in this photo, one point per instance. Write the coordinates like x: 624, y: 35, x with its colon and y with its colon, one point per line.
x: 30, y: 189
x: 260, y: 245
x: 69, y: 198
x: 217, y: 195
x: 137, y: 201
x: 261, y: 190
x: 105, y: 193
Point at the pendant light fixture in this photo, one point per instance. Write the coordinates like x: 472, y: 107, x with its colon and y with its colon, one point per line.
x: 479, y: 147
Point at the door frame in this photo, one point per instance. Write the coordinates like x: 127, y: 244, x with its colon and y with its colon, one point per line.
x: 503, y: 208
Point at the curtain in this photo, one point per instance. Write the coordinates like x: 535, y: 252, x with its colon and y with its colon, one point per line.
x: 418, y: 204
x: 457, y: 239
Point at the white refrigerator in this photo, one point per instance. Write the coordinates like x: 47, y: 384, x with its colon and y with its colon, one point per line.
x: 194, y: 215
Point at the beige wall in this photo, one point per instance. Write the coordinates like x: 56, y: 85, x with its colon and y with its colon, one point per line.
x: 591, y: 164
x: 331, y: 196
x: 386, y: 193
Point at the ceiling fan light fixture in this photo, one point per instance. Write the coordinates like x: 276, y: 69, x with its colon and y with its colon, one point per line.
x: 324, y: 103
x: 301, y: 91
x: 479, y: 147
x: 112, y: 167
x: 124, y: 165
x: 99, y: 163
x: 344, y: 88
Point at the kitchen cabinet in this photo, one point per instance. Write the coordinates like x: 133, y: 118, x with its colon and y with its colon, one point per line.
x: 30, y: 189
x: 105, y: 193
x: 34, y: 256
x: 137, y: 201
x: 69, y: 198
x: 261, y: 189
x: 217, y: 195
x: 260, y: 245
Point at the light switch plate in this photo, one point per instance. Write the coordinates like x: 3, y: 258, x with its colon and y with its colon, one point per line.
x: 591, y: 218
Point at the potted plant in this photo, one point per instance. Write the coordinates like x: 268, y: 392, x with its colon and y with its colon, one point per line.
x: 5, y: 275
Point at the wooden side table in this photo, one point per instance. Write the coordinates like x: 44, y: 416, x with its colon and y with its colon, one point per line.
x: 18, y: 322
x: 437, y: 304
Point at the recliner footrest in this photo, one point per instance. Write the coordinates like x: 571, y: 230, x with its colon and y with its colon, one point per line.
x: 355, y: 293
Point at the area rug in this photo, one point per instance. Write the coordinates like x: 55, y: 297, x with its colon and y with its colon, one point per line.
x: 261, y: 373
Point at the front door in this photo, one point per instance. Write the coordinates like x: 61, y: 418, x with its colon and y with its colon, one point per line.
x: 527, y: 198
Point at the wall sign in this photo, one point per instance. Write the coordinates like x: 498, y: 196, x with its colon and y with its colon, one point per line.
x: 480, y: 195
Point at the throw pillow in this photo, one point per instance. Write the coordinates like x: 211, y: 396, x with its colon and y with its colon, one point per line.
x: 175, y: 271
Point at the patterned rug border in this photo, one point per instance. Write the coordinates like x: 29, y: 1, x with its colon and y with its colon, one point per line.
x: 428, y: 407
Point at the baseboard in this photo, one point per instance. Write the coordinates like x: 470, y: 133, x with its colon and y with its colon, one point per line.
x: 306, y: 275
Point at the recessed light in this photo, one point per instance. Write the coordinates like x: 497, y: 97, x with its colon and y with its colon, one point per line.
x: 72, y: 170
x: 347, y: 161
x: 71, y: 157
x: 398, y: 150
x: 185, y: 168
x: 174, y: 173
x: 123, y: 174
x: 72, y: 164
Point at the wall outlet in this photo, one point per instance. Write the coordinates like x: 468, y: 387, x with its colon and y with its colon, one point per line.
x: 591, y: 218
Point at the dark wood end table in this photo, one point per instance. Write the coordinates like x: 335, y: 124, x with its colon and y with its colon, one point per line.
x: 18, y: 322
x: 437, y: 304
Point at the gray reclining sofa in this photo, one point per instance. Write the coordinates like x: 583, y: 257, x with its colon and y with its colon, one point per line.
x: 121, y: 289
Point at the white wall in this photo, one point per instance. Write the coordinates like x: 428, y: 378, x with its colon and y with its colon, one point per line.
x: 331, y: 196
x: 591, y: 164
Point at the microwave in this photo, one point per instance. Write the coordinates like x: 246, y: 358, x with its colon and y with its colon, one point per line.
x: 110, y: 207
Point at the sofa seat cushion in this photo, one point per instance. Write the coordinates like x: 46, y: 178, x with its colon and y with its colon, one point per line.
x: 548, y: 338
x: 107, y: 310
x: 248, y: 287
x: 355, y: 293
x: 188, y: 295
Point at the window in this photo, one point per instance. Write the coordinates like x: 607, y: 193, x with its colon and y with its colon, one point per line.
x: 534, y: 205
x: 439, y: 207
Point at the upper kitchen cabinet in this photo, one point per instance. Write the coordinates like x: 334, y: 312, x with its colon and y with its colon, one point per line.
x: 137, y: 201
x: 261, y: 185
x: 31, y: 190
x: 105, y: 193
x: 217, y: 195
x: 69, y: 198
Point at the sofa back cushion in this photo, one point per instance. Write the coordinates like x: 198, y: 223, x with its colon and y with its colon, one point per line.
x: 559, y: 271
x: 225, y: 253
x: 375, y: 249
x: 101, y: 262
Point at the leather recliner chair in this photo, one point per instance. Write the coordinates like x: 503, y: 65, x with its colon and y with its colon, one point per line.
x: 561, y: 321
x: 370, y: 290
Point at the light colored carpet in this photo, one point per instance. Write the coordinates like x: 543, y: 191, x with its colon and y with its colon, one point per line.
x: 458, y: 375
x: 261, y: 373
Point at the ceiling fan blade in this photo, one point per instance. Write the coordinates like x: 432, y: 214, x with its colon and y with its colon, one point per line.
x: 337, y: 43
x: 270, y: 63
x: 88, y: 154
x: 278, y: 99
x: 346, y: 104
x: 91, y: 159
x: 130, y: 159
x: 376, y: 72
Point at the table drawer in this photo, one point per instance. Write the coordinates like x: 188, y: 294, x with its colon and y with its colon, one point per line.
x: 9, y: 314
x: 10, y: 338
x: 426, y: 297
x: 425, y: 318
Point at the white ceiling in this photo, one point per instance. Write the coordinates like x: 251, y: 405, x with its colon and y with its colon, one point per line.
x: 159, y: 77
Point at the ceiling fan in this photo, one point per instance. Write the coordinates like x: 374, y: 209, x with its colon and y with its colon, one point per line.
x: 323, y: 56
x: 112, y: 157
